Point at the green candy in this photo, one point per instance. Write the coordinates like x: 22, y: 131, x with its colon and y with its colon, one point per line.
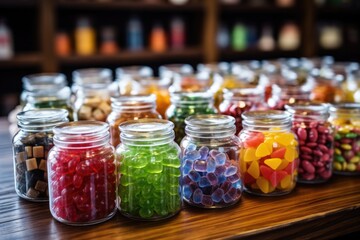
x: 351, y: 135
x: 339, y: 158
x: 338, y: 136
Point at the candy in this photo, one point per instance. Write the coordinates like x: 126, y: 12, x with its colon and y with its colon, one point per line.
x: 274, y: 163
x: 254, y: 169
x: 263, y: 150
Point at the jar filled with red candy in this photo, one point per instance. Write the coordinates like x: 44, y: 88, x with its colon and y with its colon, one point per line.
x: 30, y: 151
x: 130, y: 107
x: 316, y: 141
x: 237, y: 101
x: 269, y: 153
x: 82, y: 176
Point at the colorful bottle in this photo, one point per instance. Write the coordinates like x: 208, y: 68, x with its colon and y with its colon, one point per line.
x: 85, y: 37
x: 82, y: 174
x: 269, y: 155
x: 158, y: 40
x: 210, y: 162
x: 31, y: 145
x: 345, y: 119
x: 131, y: 107
x: 108, y: 41
x: 239, y: 37
x: 6, y: 41
x: 134, y: 34
x: 184, y: 104
x: 316, y: 141
x: 177, y: 33
x: 149, y: 170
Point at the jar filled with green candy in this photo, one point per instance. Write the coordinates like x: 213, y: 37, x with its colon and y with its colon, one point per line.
x: 345, y: 119
x: 148, y: 170
x: 184, y: 104
x: 46, y: 90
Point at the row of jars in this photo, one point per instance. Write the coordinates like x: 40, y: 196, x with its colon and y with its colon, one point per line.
x: 149, y: 175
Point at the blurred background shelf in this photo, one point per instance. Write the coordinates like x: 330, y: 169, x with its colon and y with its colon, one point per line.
x: 21, y: 60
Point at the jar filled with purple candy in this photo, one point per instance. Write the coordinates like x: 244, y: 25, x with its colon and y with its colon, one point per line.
x: 315, y: 134
x: 210, y: 162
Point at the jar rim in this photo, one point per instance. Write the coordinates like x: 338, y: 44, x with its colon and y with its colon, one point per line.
x: 147, y: 125
x: 266, y: 118
x: 44, y: 81
x: 191, y: 97
x: 345, y: 108
x: 135, y: 102
x: 308, y: 108
x: 44, y: 117
x: 209, y: 120
x: 83, y: 128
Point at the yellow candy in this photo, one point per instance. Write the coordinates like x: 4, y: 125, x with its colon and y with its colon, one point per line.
x: 243, y: 166
x: 263, y: 150
x: 249, y: 155
x: 284, y: 138
x: 346, y: 146
x: 346, y: 128
x: 274, y: 163
x: 263, y: 184
x: 337, y: 166
x: 254, y: 169
x: 290, y: 153
x: 286, y: 182
x: 294, y: 143
x: 337, y: 151
x: 339, y: 121
x: 283, y: 164
x: 355, y: 122
x: 351, y: 167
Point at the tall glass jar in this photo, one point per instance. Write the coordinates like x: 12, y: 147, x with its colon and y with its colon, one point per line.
x: 237, y: 101
x: 269, y: 153
x: 31, y: 145
x: 132, y: 107
x: 91, y: 75
x: 149, y: 170
x: 46, y: 90
x: 82, y: 173
x: 316, y: 141
x: 210, y: 162
x: 184, y: 104
x: 345, y: 119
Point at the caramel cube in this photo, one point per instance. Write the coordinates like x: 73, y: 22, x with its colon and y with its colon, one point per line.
x: 98, y: 115
x: 20, y: 157
x: 42, y: 165
x: 32, y: 193
x: 41, y: 186
x: 85, y: 112
x: 38, y: 152
x: 105, y: 107
x: 28, y: 150
x: 31, y: 164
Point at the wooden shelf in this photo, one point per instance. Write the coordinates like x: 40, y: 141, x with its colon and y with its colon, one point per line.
x: 134, y: 57
x: 267, y: 9
x: 256, y: 54
x: 347, y: 11
x: 22, y: 60
x: 129, y: 5
x: 18, y: 3
x: 316, y: 211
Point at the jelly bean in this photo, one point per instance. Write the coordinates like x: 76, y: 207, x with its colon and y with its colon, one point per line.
x: 212, y: 178
x: 207, y: 201
x: 188, y: 165
x: 213, y: 153
x: 220, y: 159
x: 231, y: 170
x: 197, y: 196
x: 211, y: 165
x: 302, y: 134
x: 204, y: 182
x: 193, y: 155
x: 221, y: 179
x: 194, y: 176
x: 203, y: 152
x: 308, y: 166
x: 220, y: 170
x: 313, y: 135
x: 234, y: 178
x: 200, y: 166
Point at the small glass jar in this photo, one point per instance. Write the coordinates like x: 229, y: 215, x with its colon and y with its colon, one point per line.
x: 269, y: 153
x: 128, y: 78
x: 316, y: 141
x: 149, y: 170
x: 31, y: 145
x: 325, y: 86
x: 345, y: 119
x: 184, y: 104
x: 210, y: 162
x: 132, y: 107
x: 46, y: 90
x: 91, y: 75
x: 237, y: 101
x: 82, y: 173
x: 282, y: 95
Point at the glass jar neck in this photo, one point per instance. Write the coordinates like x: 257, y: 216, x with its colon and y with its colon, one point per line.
x: 244, y: 95
x: 44, y: 82
x: 147, y: 132
x: 81, y: 135
x: 48, y: 95
x: 92, y: 75
x: 134, y: 103
x: 267, y: 120
x: 345, y: 110
x: 185, y: 99
x: 210, y: 126
x: 308, y: 112
x: 41, y: 119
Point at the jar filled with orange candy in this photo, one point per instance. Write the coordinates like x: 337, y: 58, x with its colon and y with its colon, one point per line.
x: 160, y: 88
x: 325, y: 86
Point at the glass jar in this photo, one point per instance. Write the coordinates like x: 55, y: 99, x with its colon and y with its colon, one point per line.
x: 132, y: 107
x: 202, y: 81
x: 149, y: 170
x: 237, y: 101
x: 184, y: 104
x: 316, y: 141
x: 269, y: 153
x: 345, y: 119
x: 82, y: 173
x: 282, y: 95
x: 128, y: 78
x: 46, y: 90
x: 210, y: 162
x: 31, y: 145
x: 324, y: 86
x: 91, y: 75
x: 159, y: 87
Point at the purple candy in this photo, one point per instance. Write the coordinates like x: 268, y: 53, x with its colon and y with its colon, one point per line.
x: 231, y: 195
x: 233, y: 178
x: 194, y: 176
x: 204, y: 151
x: 187, y: 191
x: 191, y: 147
x: 210, y: 165
x: 231, y: 170
x: 207, y: 201
x: 212, y: 178
x: 217, y: 195
x: 226, y: 186
x: 197, y: 196
x: 200, y: 166
x: 186, y: 180
x: 213, y: 153
x: 220, y: 159
x: 192, y: 155
x: 220, y: 170
x: 204, y: 182
x: 221, y: 179
x: 188, y: 165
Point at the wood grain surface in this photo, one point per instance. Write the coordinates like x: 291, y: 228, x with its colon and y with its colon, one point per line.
x: 310, y: 212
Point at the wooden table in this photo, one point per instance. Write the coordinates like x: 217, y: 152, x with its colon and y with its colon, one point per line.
x: 311, y: 211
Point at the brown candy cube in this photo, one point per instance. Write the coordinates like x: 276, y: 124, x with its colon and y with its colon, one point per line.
x: 32, y: 193
x: 42, y: 165
x: 41, y: 186
x: 28, y: 150
x: 31, y: 164
x: 38, y: 151
x: 105, y: 107
x: 85, y: 112
x: 20, y: 157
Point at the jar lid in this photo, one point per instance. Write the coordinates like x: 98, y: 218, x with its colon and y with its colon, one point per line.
x: 308, y: 110
x: 46, y: 118
x: 83, y: 128
x: 267, y: 118
x: 44, y: 81
x: 133, y: 102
